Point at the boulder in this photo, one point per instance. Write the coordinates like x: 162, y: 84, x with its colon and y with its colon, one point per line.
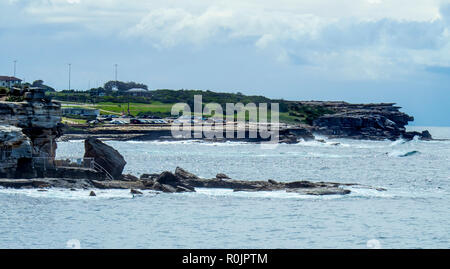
x: 425, y: 135
x: 135, y: 192
x: 168, y: 178
x: 105, y: 156
x: 222, y: 176
x: 129, y: 177
x: 321, y: 191
x: 181, y: 173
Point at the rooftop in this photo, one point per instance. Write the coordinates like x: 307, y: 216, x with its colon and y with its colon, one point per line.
x: 137, y: 90
x: 6, y: 78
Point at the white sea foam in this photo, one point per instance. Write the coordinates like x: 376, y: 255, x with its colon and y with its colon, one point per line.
x: 190, y: 142
x: 355, y: 192
x: 213, y: 192
x: 58, y: 193
x: 398, y: 142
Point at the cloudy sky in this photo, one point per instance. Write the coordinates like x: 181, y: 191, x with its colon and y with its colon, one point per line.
x: 352, y: 50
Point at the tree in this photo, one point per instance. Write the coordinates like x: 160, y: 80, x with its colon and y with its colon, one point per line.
x: 37, y: 83
x: 40, y: 84
x: 123, y: 86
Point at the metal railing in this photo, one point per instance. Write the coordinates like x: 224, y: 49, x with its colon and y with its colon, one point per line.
x: 51, y: 163
x: 48, y: 162
x: 100, y: 168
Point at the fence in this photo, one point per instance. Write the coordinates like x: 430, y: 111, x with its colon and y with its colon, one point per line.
x: 47, y: 162
x: 51, y: 163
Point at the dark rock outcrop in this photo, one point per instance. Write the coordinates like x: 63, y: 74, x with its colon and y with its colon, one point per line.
x: 186, y: 182
x: 118, y: 184
x: 424, y: 135
x: 222, y: 176
x: 135, y: 192
x: 167, y: 178
x: 129, y: 177
x: 180, y: 172
x: 168, y: 182
x: 293, y: 135
x: 105, y: 156
x: 364, y: 121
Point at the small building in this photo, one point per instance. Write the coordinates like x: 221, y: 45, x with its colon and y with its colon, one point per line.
x: 9, y: 82
x: 138, y: 92
x: 35, y: 93
x: 86, y: 113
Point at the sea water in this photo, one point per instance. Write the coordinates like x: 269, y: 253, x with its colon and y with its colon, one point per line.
x: 414, y: 211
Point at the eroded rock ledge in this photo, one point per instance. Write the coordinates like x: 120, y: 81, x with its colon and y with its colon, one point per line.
x: 364, y: 121
x: 184, y: 181
x: 105, y: 167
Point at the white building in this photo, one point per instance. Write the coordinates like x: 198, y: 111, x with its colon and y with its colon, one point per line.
x: 138, y: 92
x: 8, y: 82
x: 83, y: 112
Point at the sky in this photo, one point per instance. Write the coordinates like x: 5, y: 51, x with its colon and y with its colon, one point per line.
x: 350, y: 50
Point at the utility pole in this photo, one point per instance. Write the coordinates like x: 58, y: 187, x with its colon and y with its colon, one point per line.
x: 70, y: 69
x: 115, y: 72
x: 15, y: 62
x: 115, y: 76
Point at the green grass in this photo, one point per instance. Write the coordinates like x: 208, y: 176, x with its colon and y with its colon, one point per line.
x: 135, y: 108
x: 286, y: 118
x: 295, y: 114
x: 71, y: 120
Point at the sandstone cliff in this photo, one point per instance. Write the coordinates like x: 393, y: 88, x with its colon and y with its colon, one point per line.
x: 363, y: 121
x: 39, y: 121
x: 28, y: 129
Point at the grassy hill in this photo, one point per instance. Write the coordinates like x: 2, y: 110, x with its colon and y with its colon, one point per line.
x: 159, y: 103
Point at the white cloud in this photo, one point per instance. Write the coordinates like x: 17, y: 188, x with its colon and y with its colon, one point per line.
x: 356, y: 38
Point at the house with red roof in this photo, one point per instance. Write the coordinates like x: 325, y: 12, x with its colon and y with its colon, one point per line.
x: 8, y: 82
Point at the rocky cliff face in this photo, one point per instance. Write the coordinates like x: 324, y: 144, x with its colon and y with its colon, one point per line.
x: 27, y: 129
x: 14, y: 145
x: 364, y: 121
x: 40, y: 122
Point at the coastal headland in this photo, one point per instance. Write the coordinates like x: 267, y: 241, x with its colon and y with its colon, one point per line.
x: 30, y: 129
x: 343, y: 120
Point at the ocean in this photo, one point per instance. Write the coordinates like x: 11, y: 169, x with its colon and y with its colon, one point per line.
x: 412, y: 213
